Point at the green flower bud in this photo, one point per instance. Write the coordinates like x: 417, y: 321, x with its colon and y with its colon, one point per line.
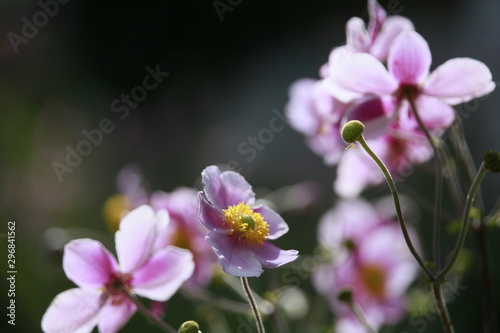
x: 189, y: 326
x: 352, y: 131
x: 492, y: 161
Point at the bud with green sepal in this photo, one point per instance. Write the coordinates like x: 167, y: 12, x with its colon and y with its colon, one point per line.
x: 492, y: 161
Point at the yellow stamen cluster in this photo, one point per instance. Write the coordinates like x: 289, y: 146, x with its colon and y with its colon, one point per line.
x: 374, y: 278
x: 248, y: 225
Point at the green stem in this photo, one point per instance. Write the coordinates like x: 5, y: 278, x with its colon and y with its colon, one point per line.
x: 442, y: 309
x: 146, y: 313
x: 253, y: 305
x: 465, y: 221
x: 489, y: 312
x: 399, y: 212
x: 438, y: 186
x: 457, y: 137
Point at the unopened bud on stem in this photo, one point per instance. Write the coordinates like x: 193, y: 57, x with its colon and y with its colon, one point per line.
x: 352, y: 131
x: 492, y: 161
x: 189, y: 326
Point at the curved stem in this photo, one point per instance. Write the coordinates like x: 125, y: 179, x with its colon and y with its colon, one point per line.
x: 442, y: 309
x: 438, y: 190
x: 146, y: 313
x: 253, y: 305
x: 399, y: 212
x: 465, y: 221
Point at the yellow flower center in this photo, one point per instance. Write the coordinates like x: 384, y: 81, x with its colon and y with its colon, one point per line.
x: 247, y: 224
x: 374, y: 278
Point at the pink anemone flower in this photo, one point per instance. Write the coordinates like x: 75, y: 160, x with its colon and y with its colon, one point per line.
x: 185, y: 230
x: 369, y: 257
x: 240, y: 230
x: 101, y: 298
x: 407, y: 75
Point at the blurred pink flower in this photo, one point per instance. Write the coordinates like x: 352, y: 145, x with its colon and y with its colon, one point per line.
x: 100, y: 299
x: 185, y: 230
x: 312, y: 111
x: 371, y: 258
x: 240, y: 230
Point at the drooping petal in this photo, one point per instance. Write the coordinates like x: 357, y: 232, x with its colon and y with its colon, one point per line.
x: 357, y: 74
x: 135, y: 238
x: 88, y: 264
x: 272, y: 256
x: 163, y: 274
x: 434, y: 113
x: 356, y: 35
x: 277, y: 226
x: 409, y: 58
x: 459, y: 80
x: 73, y: 311
x: 227, y: 188
x: 391, y: 28
x: 115, y: 314
x: 235, y: 258
x: 210, y: 216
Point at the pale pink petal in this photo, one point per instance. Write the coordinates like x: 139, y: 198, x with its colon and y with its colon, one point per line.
x: 227, y: 188
x: 300, y: 110
x: 211, y: 217
x: 73, y: 311
x: 349, y: 324
x: 459, y: 80
x: 377, y: 18
x: 434, y: 113
x: 349, y: 220
x: 162, y: 229
x: 115, y: 314
x: 135, y: 238
x: 163, y: 274
x: 235, y: 258
x: 328, y: 144
x: 356, y: 35
x: 356, y: 171
x: 88, y: 264
x: 359, y: 74
x: 391, y: 28
x: 326, y: 106
x: 277, y: 226
x: 409, y: 58
x: 272, y: 256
